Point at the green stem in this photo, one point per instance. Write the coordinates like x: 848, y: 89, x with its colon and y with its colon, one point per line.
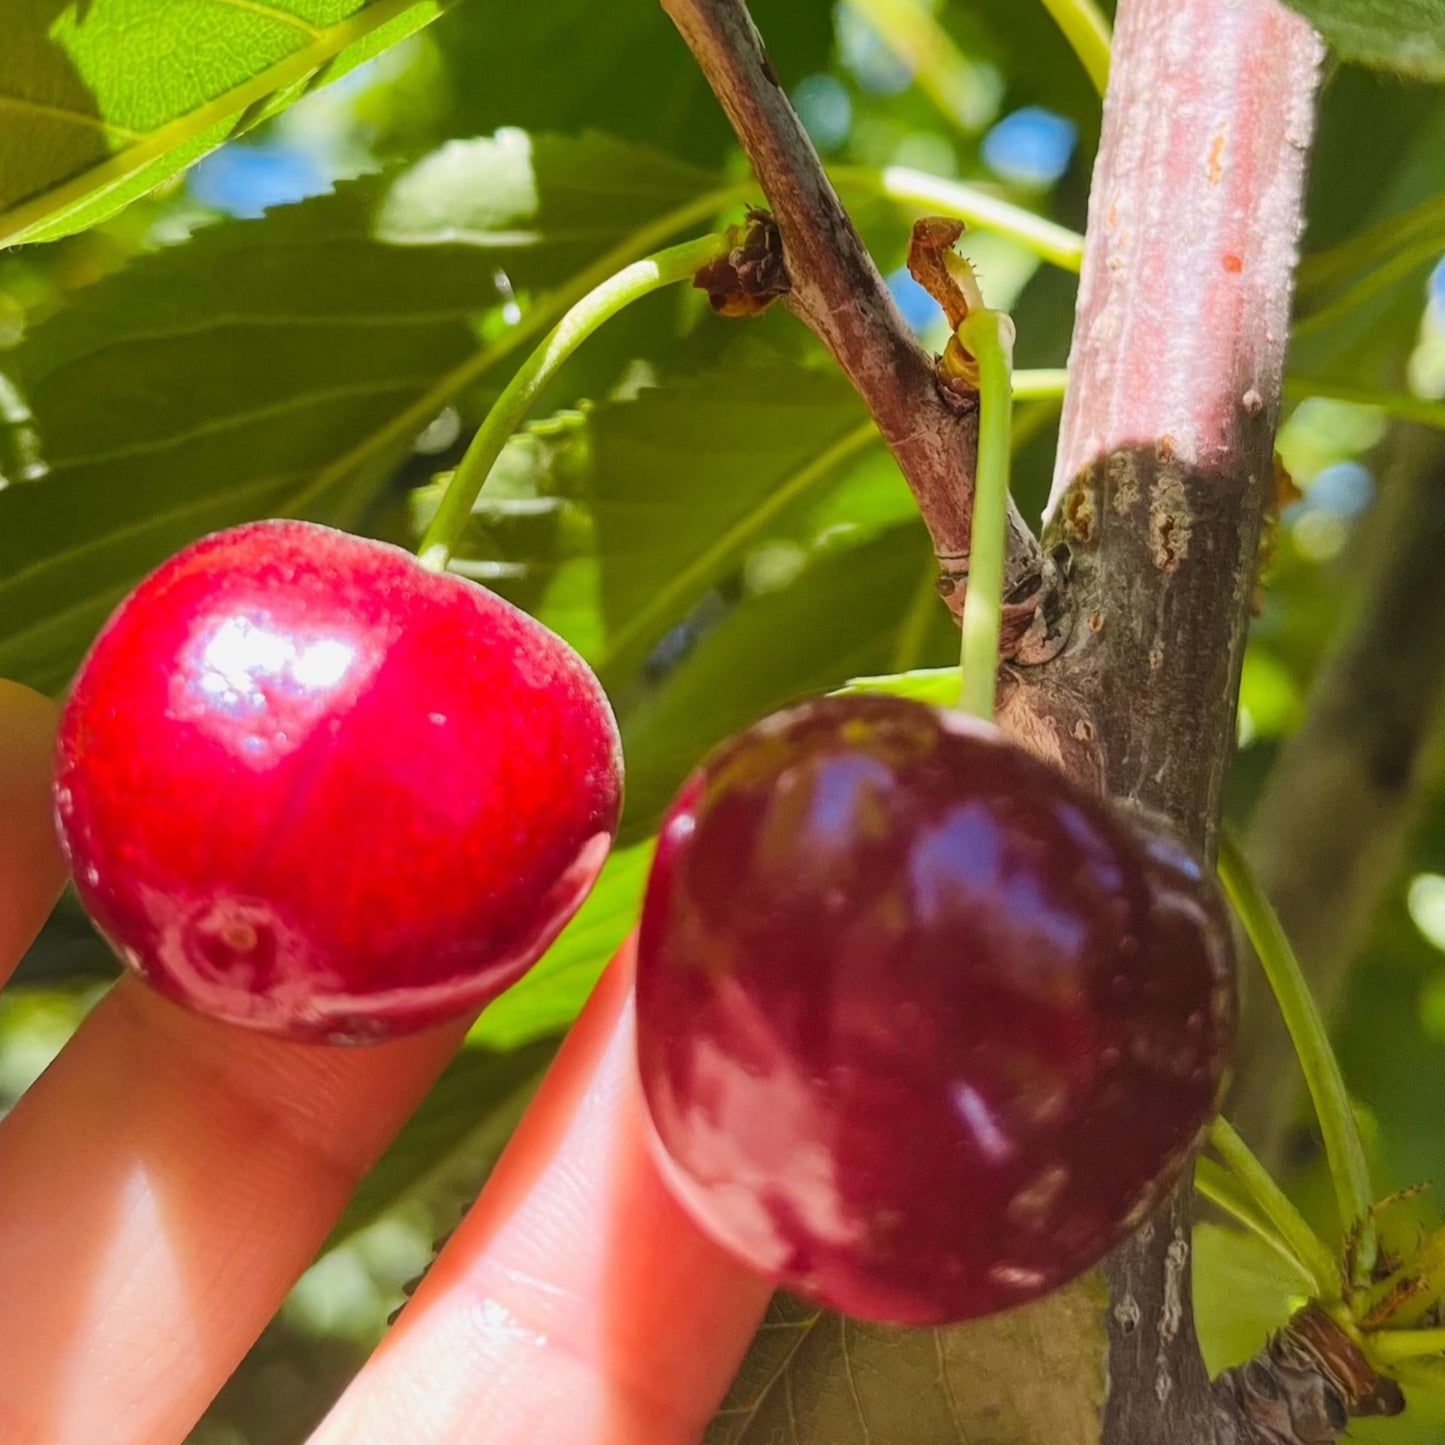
x: 1393, y: 403
x: 944, y: 73
x: 1226, y: 1192
x: 676, y: 263
x: 1040, y: 237
x: 1387, y: 1346
x: 1045, y: 384
x: 1086, y: 29
x: 1043, y: 238
x: 1285, y: 1220
x: 402, y: 426
x: 987, y: 336
x: 1343, y: 1146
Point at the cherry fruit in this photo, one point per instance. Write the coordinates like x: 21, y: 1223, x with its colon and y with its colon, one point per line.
x: 923, y: 1028
x: 308, y: 786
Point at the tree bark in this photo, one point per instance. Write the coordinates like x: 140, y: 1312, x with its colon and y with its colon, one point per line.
x: 1163, y: 476
x: 838, y: 292
x: 1164, y: 472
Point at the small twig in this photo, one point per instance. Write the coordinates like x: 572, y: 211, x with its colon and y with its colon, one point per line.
x: 677, y: 263
x: 838, y: 292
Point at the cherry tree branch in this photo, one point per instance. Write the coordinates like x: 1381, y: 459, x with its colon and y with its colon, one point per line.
x: 1163, y: 475
x: 838, y: 292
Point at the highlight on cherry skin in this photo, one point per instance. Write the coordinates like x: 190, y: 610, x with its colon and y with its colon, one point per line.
x: 307, y: 786
x: 923, y: 1028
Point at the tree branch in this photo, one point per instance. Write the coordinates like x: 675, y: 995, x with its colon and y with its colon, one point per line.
x: 1164, y: 470
x: 838, y: 292
x: 1376, y: 702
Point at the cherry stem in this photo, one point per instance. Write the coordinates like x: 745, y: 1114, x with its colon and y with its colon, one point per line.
x: 1225, y: 1191
x: 662, y: 268
x: 1395, y: 404
x: 1043, y: 238
x: 1290, y: 1227
x: 1387, y: 1346
x: 1087, y: 31
x: 988, y: 337
x: 1338, y: 1125
x: 1048, y: 383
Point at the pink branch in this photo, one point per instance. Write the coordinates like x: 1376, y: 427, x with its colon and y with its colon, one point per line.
x: 1194, y: 225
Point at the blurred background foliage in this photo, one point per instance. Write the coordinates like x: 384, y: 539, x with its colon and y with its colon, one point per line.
x: 316, y: 315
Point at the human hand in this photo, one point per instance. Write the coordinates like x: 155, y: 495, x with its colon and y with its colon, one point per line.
x: 166, y: 1181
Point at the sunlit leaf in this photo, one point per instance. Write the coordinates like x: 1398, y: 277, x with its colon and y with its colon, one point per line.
x: 102, y: 100
x: 162, y: 403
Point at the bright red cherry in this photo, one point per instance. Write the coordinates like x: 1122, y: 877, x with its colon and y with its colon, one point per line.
x: 923, y: 1028
x: 307, y: 786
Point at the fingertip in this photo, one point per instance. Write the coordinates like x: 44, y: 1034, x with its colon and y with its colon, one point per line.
x: 577, y: 1301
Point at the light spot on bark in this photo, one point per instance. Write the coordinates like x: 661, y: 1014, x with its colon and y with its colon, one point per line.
x: 1170, y: 522
x: 1033, y: 733
x: 1080, y: 514
x: 1123, y: 484
x: 1252, y: 402
x: 1176, y: 1261
x: 1216, y: 159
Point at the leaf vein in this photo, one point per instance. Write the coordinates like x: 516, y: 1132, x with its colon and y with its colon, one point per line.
x: 748, y: 1412
x: 273, y: 12
x: 230, y: 105
x: 241, y: 419
x: 67, y: 114
x: 152, y: 522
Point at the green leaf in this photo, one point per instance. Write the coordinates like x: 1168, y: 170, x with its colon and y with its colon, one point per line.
x: 840, y: 617
x: 814, y: 1378
x: 1407, y: 36
x: 620, y: 67
x: 688, y: 478
x: 937, y: 686
x: 552, y: 994
x: 160, y: 405
x: 1243, y: 1293
x: 105, y: 100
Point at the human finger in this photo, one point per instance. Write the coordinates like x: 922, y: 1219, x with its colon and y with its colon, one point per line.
x: 161, y: 1188
x: 577, y: 1304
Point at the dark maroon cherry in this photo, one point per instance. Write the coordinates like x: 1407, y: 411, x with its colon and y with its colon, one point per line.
x: 923, y: 1028
x: 307, y: 786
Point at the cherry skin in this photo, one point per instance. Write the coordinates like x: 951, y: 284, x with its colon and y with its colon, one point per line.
x: 307, y: 786
x: 923, y: 1028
